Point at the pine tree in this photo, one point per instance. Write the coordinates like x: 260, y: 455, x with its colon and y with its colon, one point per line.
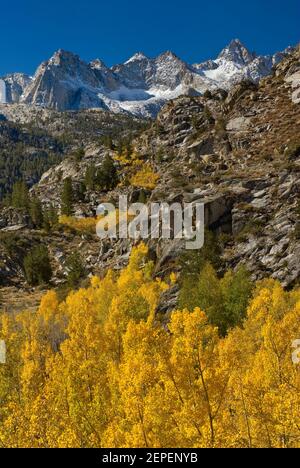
x: 37, y: 266
x: 20, y: 195
x: 107, y: 177
x: 67, y: 197
x: 36, y: 212
x: 79, y: 154
x: 75, y: 270
x: 50, y: 218
x: 90, y: 176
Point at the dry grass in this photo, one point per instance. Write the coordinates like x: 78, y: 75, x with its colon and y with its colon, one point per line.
x: 14, y: 299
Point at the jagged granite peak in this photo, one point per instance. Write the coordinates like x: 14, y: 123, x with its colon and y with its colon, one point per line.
x: 139, y: 86
x: 236, y: 52
x: 135, y: 72
x: 168, y: 55
x: 107, y: 79
x: 64, y: 82
x: 62, y: 55
x: 167, y: 71
x: 208, y: 65
x: 171, y: 71
x: 98, y: 64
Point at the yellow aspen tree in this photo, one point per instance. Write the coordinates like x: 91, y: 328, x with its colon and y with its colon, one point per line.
x: 276, y: 379
x: 42, y: 332
x: 194, y: 378
x: 78, y: 378
x: 264, y: 383
x: 133, y: 382
x: 136, y: 297
x: 10, y: 382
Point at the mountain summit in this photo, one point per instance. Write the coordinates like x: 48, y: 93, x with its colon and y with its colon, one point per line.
x: 140, y: 85
x: 236, y: 52
x: 137, y: 57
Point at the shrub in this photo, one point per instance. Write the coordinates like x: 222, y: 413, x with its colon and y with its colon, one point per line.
x: 297, y: 231
x: 292, y: 151
x: 79, y: 224
x: 207, y: 94
x: 220, y: 127
x: 79, y: 154
x: 13, y: 243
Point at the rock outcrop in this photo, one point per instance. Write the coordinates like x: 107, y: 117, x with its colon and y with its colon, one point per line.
x: 15, y: 85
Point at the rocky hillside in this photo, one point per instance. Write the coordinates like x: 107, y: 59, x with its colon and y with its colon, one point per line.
x: 140, y: 86
x: 238, y: 151
x: 33, y: 139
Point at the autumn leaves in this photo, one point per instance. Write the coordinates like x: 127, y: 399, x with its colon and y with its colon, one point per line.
x: 100, y: 370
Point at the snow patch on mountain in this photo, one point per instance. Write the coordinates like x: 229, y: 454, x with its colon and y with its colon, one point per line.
x: 136, y: 57
x: 235, y: 63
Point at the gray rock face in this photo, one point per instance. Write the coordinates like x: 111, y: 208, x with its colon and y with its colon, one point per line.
x: 294, y: 79
x: 140, y: 86
x: 137, y: 72
x: 166, y: 71
x: 64, y: 82
x: 15, y: 84
x: 238, y: 124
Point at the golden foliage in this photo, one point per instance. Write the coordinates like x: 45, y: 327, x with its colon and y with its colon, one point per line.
x: 136, y: 171
x: 127, y: 159
x: 98, y: 370
x: 79, y: 224
x: 145, y: 177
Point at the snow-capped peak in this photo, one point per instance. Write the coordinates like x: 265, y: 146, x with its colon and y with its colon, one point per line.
x: 136, y: 58
x: 236, y: 52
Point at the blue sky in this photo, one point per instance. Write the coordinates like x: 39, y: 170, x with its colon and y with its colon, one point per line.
x: 113, y: 30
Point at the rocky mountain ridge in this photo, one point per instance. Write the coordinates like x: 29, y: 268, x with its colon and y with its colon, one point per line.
x: 140, y: 86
